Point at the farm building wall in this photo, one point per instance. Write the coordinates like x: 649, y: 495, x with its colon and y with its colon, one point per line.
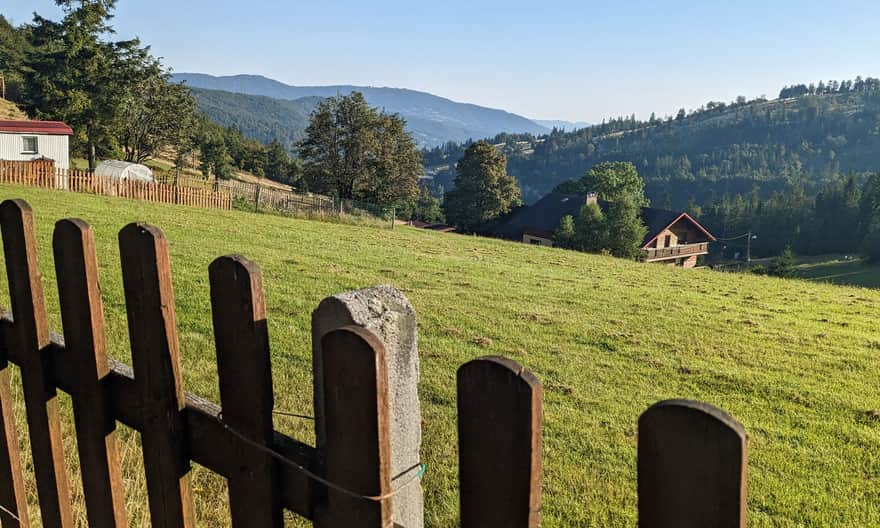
x: 538, y: 241
x: 54, y: 147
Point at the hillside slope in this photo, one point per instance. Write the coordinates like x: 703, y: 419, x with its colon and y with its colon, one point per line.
x: 257, y: 117
x: 433, y: 120
x: 8, y: 110
x: 723, y: 148
x: 795, y: 362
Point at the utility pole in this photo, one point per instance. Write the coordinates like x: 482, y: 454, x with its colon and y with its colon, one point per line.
x: 749, y: 247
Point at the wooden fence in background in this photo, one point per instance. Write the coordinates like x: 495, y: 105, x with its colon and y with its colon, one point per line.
x: 279, y: 199
x: 691, y: 457
x: 37, y: 175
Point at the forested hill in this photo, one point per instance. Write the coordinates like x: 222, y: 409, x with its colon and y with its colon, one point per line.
x: 805, y: 138
x: 262, y: 118
x: 433, y: 120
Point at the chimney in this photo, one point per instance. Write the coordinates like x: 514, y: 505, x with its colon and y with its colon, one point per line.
x: 591, y: 199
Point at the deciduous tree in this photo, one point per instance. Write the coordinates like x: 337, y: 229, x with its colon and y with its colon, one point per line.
x: 154, y: 114
x: 483, y: 190
x: 354, y: 152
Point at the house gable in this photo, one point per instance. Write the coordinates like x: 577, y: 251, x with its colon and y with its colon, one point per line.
x: 683, y: 229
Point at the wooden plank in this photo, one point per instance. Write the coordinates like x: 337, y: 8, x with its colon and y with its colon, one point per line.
x: 357, y: 451
x: 691, y: 467
x: 31, y: 337
x: 12, y: 495
x: 499, y: 436
x: 152, y: 326
x: 245, y: 370
x: 82, y: 315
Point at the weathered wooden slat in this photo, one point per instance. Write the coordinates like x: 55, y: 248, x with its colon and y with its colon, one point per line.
x: 357, y: 451
x: 152, y: 326
x: 245, y: 371
x: 691, y: 467
x: 12, y: 494
x: 211, y: 444
x: 31, y: 331
x: 499, y: 435
x: 82, y: 315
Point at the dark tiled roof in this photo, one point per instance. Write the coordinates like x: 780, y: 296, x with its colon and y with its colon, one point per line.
x: 544, y: 216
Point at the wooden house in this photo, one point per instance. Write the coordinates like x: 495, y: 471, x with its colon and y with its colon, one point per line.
x: 674, y: 237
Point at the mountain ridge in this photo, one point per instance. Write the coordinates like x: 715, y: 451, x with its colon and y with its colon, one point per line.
x: 433, y: 120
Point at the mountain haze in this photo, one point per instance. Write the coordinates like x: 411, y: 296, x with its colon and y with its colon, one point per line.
x: 568, y: 126
x: 432, y: 120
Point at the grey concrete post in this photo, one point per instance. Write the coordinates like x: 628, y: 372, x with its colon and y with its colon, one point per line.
x: 387, y: 313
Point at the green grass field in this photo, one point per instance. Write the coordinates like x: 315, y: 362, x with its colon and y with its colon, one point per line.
x: 795, y: 362
x: 850, y: 272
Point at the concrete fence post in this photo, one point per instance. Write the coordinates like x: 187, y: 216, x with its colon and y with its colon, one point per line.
x: 387, y: 313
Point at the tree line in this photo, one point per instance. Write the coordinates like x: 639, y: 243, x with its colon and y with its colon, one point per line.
x: 843, y: 217
x: 858, y: 84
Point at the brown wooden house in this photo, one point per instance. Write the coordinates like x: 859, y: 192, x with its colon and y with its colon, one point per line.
x: 674, y: 237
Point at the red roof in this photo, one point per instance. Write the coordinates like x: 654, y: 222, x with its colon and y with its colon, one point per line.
x: 36, y: 127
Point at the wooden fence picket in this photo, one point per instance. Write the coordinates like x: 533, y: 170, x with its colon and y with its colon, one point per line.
x: 357, y: 452
x: 13, y: 500
x: 31, y: 338
x: 691, y: 467
x: 245, y: 371
x: 82, y: 315
x: 499, y: 437
x: 152, y: 324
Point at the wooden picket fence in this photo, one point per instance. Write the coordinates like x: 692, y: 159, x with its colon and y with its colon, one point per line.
x: 48, y: 177
x: 263, y: 197
x: 691, y: 457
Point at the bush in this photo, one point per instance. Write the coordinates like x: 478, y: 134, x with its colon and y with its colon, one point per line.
x: 871, y: 246
x: 781, y: 266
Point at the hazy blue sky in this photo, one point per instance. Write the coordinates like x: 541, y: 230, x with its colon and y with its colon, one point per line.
x: 551, y: 59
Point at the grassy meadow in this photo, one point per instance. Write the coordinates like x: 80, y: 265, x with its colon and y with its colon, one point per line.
x: 795, y: 362
x: 849, y: 272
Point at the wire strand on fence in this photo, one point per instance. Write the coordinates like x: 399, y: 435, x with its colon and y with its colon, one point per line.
x: 294, y: 415
x: 9, y: 513
x: 290, y: 463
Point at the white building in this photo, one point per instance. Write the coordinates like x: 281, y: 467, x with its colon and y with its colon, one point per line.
x: 32, y: 140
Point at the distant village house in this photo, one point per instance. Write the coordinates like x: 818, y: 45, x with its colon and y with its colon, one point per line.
x: 36, y: 140
x: 673, y: 238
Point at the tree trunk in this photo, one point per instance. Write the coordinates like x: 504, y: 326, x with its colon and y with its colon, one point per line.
x: 91, y: 153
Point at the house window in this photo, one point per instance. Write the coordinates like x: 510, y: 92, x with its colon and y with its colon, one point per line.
x: 667, y: 241
x: 535, y: 242
x: 29, y: 145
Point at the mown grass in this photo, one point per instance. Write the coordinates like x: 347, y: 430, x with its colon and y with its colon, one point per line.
x: 795, y: 362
